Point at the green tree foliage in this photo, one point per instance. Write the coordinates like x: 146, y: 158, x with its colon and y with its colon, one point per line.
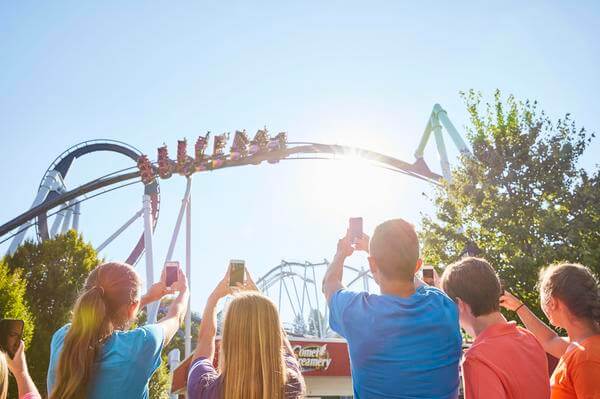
x: 13, y: 304
x: 522, y: 197
x: 159, y: 386
x: 55, y: 271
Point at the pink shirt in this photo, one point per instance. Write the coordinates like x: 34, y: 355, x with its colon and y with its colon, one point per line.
x: 506, y: 362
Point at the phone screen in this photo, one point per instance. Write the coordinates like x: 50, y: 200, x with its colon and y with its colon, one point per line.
x: 428, y: 277
x: 172, y: 273
x: 355, y: 227
x: 11, y: 332
x: 237, y: 272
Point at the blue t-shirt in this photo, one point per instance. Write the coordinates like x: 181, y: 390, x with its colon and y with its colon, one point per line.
x: 126, y: 362
x: 400, y: 347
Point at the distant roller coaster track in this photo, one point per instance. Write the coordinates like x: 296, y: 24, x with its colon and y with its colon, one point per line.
x: 418, y: 170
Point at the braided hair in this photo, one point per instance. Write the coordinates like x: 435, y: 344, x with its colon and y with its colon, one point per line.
x: 576, y: 286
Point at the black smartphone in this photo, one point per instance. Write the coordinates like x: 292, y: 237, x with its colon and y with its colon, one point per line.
x: 428, y: 277
x: 237, y: 272
x: 11, y: 332
x: 355, y: 228
x: 171, y: 272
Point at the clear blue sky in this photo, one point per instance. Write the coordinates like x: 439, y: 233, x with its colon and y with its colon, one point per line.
x: 351, y: 72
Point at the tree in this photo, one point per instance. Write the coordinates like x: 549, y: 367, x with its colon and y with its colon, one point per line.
x: 55, y: 271
x: 521, y: 198
x: 159, y: 386
x: 14, y: 306
x: 316, y: 322
x: 299, y: 325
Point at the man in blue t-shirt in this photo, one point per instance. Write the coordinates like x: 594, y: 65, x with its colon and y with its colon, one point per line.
x: 406, y: 342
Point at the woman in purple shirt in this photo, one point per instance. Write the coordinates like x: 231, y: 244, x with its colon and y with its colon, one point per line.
x: 255, y: 360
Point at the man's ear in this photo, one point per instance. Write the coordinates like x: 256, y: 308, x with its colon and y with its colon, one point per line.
x: 372, y: 265
x: 418, y: 266
x: 463, y: 307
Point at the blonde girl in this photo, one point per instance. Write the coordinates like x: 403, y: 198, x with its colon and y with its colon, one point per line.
x: 255, y: 360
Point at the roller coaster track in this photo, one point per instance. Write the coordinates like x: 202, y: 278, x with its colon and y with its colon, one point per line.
x: 317, y: 151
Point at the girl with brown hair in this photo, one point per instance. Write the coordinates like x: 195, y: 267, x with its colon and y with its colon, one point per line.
x: 570, y: 298
x: 255, y: 359
x: 97, y: 355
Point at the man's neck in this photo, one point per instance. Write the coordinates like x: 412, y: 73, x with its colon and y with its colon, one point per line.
x: 482, y: 322
x: 402, y: 289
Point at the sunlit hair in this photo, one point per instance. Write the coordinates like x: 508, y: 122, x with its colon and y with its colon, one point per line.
x: 101, y: 308
x: 395, y: 248
x: 475, y: 282
x: 251, y: 359
x: 575, y: 285
x: 3, y: 376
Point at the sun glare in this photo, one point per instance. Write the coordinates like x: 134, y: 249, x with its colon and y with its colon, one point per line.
x: 348, y: 186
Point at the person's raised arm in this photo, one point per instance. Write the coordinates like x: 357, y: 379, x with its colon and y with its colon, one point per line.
x: 18, y: 368
x: 176, y: 313
x: 548, y: 338
x: 208, y: 326
x: 332, y: 281
x: 156, y: 291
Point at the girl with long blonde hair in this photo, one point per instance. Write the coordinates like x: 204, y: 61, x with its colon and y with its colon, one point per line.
x: 255, y: 359
x: 97, y: 355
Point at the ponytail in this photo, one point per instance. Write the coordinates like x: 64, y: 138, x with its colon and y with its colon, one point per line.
x: 100, y: 309
x: 576, y: 286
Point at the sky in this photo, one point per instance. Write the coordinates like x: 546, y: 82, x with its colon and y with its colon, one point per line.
x: 358, y: 73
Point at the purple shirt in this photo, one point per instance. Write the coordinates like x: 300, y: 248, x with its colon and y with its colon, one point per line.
x: 204, y: 382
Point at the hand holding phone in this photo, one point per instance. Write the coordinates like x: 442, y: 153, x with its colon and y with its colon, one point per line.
x: 355, y: 229
x: 429, y: 275
x: 171, y: 272
x: 11, y: 332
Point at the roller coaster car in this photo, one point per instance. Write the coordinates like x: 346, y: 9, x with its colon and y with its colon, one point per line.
x: 199, y: 151
x: 239, y: 147
x: 218, y: 147
x: 185, y: 164
x: 260, y: 142
x: 277, y: 143
x: 181, y: 152
x: 165, y: 169
x: 145, y: 167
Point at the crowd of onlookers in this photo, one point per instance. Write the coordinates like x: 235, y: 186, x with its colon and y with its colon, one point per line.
x: 405, y: 342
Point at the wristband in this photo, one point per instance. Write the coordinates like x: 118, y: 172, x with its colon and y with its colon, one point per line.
x: 520, y: 306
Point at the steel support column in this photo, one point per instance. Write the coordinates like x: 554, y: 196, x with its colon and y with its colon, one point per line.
x: 152, y: 308
x: 76, y: 214
x: 188, y: 273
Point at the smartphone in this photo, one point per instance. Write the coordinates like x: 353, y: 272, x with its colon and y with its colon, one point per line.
x: 11, y: 332
x: 237, y: 272
x: 355, y: 228
x: 171, y: 272
x: 428, y: 276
